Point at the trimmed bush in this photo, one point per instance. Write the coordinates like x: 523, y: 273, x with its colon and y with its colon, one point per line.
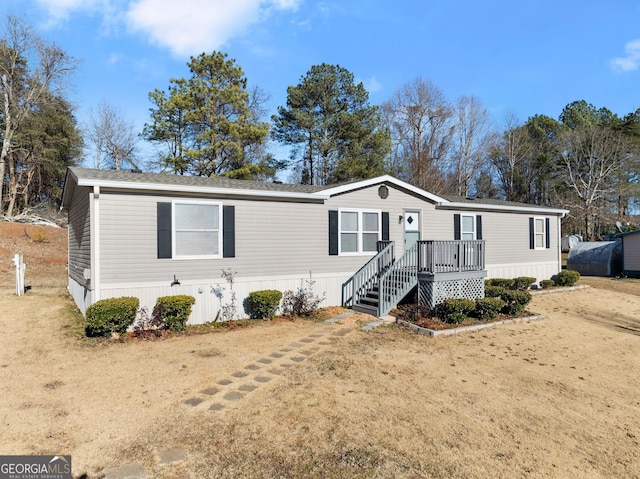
x: 493, y: 291
x: 567, y: 277
x: 174, y: 311
x: 523, y: 283
x: 302, y: 302
x: 501, y: 282
x: 112, y: 315
x: 263, y: 304
x: 547, y: 283
x: 488, y: 308
x: 455, y: 310
x: 516, y: 301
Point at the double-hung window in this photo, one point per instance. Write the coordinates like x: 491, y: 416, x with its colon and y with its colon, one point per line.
x: 467, y: 227
x: 197, y: 230
x: 360, y: 231
x: 539, y: 233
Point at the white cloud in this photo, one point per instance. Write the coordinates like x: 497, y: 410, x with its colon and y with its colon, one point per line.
x: 190, y: 27
x: 373, y: 85
x: 631, y: 61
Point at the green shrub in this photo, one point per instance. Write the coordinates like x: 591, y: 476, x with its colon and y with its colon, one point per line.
x: 455, y: 310
x: 515, y: 301
x: 113, y: 315
x: 547, y: 283
x: 174, y: 311
x: 263, y: 304
x: 493, y: 291
x: 567, y: 277
x: 488, y: 308
x: 523, y: 283
x: 502, y: 282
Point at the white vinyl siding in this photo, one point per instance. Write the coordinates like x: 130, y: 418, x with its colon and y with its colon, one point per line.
x: 360, y: 231
x: 197, y: 230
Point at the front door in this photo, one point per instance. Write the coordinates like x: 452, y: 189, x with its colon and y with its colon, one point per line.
x: 411, y: 228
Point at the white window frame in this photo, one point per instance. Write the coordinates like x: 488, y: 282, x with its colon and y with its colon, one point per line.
x: 174, y: 242
x: 542, y: 234
x: 473, y: 223
x: 360, y: 238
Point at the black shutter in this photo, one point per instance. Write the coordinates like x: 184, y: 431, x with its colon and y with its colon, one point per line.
x: 164, y: 230
x: 532, y: 234
x: 547, y: 233
x: 385, y: 226
x: 228, y: 232
x: 333, y: 233
x: 479, y: 227
x: 456, y: 226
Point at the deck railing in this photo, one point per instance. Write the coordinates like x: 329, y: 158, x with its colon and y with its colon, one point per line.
x: 451, y: 256
x: 366, y: 278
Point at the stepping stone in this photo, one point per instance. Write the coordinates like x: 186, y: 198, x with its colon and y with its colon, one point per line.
x: 224, y: 382
x: 172, y: 455
x: 276, y: 355
x: 216, y: 407
x: 265, y: 360
x: 209, y: 391
x: 338, y: 318
x: 193, y: 401
x: 325, y: 343
x: 295, y: 345
x: 240, y: 374
x: 275, y: 371
x: 372, y: 325
x: 252, y: 367
x: 306, y: 353
x: 233, y: 396
x: 248, y: 388
x: 286, y: 350
x: 307, y: 340
x: 287, y: 365
x: 316, y: 335
x: 128, y: 471
x: 297, y: 359
x: 262, y: 379
x: 342, y: 332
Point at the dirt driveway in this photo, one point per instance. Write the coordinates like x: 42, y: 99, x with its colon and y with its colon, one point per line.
x: 557, y: 397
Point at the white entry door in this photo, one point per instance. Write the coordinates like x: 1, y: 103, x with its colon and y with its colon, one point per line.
x: 411, y: 228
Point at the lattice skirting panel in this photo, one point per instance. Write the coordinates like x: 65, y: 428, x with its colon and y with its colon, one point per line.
x: 434, y: 292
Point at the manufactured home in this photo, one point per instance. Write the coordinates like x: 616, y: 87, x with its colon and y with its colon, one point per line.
x: 365, y: 244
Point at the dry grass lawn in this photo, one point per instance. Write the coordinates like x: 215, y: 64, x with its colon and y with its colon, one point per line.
x: 556, y: 398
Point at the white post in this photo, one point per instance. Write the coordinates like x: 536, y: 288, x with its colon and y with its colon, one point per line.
x: 20, y: 267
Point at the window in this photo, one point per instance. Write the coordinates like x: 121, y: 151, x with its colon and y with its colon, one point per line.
x: 197, y: 230
x: 468, y: 227
x: 540, y: 233
x: 360, y: 231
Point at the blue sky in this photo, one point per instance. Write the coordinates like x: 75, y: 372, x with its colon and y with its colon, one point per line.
x: 518, y: 58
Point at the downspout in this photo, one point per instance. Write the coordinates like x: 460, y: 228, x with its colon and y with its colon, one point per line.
x: 94, y: 199
x: 560, y: 216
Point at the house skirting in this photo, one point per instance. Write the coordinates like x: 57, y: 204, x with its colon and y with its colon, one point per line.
x: 215, y: 296
x: 433, y: 289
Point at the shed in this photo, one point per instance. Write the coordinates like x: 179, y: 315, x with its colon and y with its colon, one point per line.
x: 569, y: 241
x: 596, y: 258
x: 630, y: 253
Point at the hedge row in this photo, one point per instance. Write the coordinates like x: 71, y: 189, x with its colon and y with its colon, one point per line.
x: 116, y: 315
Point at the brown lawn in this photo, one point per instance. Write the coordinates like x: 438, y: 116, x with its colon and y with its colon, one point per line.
x: 557, y: 397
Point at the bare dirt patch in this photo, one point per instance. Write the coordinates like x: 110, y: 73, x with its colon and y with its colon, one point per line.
x: 553, y: 398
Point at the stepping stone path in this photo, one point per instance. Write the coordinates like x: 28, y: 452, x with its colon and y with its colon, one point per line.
x: 230, y: 390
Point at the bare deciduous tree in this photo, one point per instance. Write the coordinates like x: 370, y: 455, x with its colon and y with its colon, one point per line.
x: 471, y: 140
x: 419, y: 119
x: 112, y: 138
x: 32, y: 71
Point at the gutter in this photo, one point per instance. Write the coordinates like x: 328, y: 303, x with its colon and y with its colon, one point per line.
x: 512, y: 208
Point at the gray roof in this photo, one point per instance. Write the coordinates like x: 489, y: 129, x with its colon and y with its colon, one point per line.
x: 190, y: 181
x: 485, y: 201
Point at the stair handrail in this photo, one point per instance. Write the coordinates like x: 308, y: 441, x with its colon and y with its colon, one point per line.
x: 367, y: 277
x: 398, y: 280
